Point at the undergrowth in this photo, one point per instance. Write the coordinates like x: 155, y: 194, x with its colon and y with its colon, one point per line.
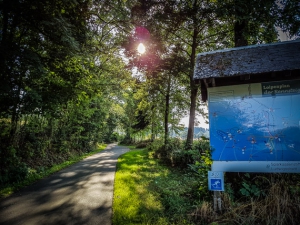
x: 263, y: 199
x: 148, y: 192
x: 175, y: 180
x: 33, y: 175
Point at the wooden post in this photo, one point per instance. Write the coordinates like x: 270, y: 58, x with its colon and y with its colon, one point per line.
x: 217, y: 201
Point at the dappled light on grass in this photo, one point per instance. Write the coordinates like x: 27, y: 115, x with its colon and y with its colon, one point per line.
x: 147, y: 192
x: 133, y: 202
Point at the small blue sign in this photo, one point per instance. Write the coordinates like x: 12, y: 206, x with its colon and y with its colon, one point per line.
x: 215, y: 181
x: 215, y: 185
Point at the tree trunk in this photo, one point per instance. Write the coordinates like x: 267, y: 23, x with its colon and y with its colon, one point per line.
x: 190, y: 134
x: 152, y: 124
x: 153, y: 130
x: 239, y: 33
x: 240, y: 25
x: 194, y: 92
x: 167, y: 110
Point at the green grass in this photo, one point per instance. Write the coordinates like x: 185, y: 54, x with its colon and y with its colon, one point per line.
x: 147, y: 192
x: 34, y: 175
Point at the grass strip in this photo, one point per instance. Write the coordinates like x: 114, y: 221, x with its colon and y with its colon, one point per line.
x: 147, y: 192
x: 34, y: 175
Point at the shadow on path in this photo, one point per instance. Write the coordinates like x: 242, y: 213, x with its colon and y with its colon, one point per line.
x: 79, y: 194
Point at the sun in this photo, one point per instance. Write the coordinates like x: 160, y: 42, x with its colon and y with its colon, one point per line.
x: 141, y: 48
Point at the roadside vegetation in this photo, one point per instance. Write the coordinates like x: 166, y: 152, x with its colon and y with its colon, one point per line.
x: 71, y: 77
x: 158, y: 185
x: 147, y: 192
x: 32, y: 175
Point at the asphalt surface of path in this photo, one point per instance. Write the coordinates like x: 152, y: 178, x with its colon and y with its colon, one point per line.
x: 80, y: 194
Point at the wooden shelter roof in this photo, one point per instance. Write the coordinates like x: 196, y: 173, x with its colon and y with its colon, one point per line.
x: 248, y: 64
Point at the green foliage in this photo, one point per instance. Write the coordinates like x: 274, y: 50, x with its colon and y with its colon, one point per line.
x: 250, y: 190
x: 143, y: 144
x: 256, y: 22
x: 197, y: 159
x: 25, y: 176
x: 176, y: 154
x: 42, y: 141
x: 202, y: 164
x: 147, y: 192
x: 167, y: 153
x: 178, y: 193
x: 14, y: 173
x: 262, y: 199
x: 60, y: 83
x: 18, y: 173
x: 245, y: 187
x: 65, y: 86
x: 250, y: 199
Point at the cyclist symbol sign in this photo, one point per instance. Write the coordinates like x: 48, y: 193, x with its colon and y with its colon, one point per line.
x: 215, y: 181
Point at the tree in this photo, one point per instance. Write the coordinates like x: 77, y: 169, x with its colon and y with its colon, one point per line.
x: 39, y: 40
x: 256, y: 22
x: 60, y: 77
x: 186, y: 27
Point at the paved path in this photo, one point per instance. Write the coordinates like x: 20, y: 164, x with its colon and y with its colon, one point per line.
x: 80, y: 194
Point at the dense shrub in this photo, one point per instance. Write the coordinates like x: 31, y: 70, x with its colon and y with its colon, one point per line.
x: 168, y: 153
x: 126, y: 141
x: 113, y: 137
x: 143, y: 144
x: 176, y: 154
x: 18, y: 173
x: 40, y: 142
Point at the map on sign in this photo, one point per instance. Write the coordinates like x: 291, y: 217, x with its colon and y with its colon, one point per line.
x: 255, y: 122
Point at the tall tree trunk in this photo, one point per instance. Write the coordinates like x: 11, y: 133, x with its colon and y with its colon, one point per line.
x: 240, y: 25
x: 15, y: 114
x: 167, y: 110
x: 190, y: 134
x: 194, y: 92
x: 152, y: 124
x: 239, y: 33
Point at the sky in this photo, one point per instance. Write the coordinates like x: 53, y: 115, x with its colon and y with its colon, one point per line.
x: 185, y: 121
x: 199, y: 118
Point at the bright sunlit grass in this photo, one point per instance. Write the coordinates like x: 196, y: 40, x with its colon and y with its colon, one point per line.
x: 147, y: 192
x: 134, y: 203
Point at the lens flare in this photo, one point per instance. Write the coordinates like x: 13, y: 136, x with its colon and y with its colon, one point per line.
x: 141, y: 48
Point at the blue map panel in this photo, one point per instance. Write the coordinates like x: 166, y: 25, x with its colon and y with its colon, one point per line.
x: 256, y: 123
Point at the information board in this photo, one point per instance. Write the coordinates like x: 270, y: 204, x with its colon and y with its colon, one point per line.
x: 255, y: 127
